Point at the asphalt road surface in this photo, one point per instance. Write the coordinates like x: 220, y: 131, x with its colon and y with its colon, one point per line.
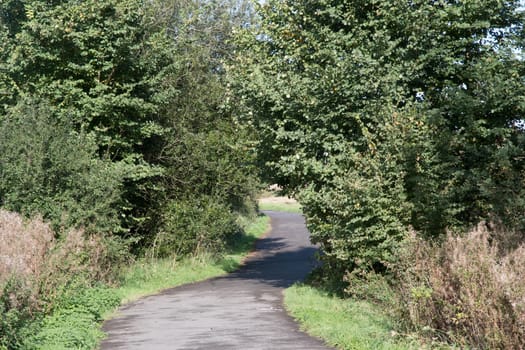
x: 242, y: 310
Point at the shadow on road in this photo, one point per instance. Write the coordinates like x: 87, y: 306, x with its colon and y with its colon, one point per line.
x: 276, y: 263
x: 242, y: 310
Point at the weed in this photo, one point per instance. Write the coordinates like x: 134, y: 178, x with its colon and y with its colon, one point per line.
x: 467, y: 290
x: 42, y: 277
x: 151, y: 275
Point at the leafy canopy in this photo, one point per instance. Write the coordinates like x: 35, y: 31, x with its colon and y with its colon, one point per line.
x: 378, y: 115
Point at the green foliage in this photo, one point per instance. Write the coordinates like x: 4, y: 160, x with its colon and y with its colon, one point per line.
x: 96, y: 300
x: 151, y: 275
x: 95, y: 60
x: 320, y: 99
x: 471, y: 167
x: 47, y: 168
x: 208, y: 152
x: 212, y: 160
x: 16, y: 312
x: 113, y: 118
x: 104, y: 71
x: 378, y: 115
x: 74, y: 320
x: 144, y: 83
x: 67, y: 329
x: 194, y: 226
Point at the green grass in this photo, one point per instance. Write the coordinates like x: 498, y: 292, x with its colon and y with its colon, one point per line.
x: 149, y: 276
x: 75, y: 322
x: 286, y: 207
x: 344, y: 323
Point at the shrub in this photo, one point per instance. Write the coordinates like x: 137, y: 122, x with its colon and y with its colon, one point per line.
x: 17, y: 308
x: 47, y: 168
x: 192, y: 226
x: 73, y: 324
x: 466, y: 289
x: 24, y: 245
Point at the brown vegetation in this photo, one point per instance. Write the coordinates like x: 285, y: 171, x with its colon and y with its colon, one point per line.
x: 34, y: 263
x: 468, y: 289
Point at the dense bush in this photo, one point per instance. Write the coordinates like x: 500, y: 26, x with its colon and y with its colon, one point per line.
x: 467, y: 289
x: 99, y: 63
x: 73, y: 324
x: 208, y: 150
x: 359, y: 213
x: 207, y: 156
x: 212, y: 160
x: 48, y: 168
x: 380, y: 115
x: 136, y: 93
x: 115, y: 123
x: 103, y: 68
x: 194, y: 225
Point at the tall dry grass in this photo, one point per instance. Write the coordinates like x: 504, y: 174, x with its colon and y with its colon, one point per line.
x: 30, y: 251
x: 36, y: 268
x: 467, y: 289
x: 23, y: 245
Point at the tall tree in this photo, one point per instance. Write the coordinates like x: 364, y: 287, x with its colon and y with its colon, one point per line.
x: 207, y: 156
x: 104, y: 71
x: 383, y: 114
x: 96, y: 59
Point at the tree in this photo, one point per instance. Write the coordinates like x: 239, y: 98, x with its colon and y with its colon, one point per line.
x: 378, y: 115
x: 144, y: 82
x: 98, y: 61
x: 470, y: 77
x: 104, y: 71
x: 207, y: 154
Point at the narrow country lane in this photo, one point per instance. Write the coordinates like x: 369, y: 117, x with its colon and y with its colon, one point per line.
x: 242, y: 310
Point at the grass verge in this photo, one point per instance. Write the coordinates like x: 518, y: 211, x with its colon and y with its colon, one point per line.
x: 149, y: 276
x: 75, y: 322
x: 344, y: 323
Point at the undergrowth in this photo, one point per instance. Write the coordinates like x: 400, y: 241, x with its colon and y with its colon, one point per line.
x: 346, y: 324
x: 464, y: 291
x: 151, y: 275
x: 42, y: 275
x: 467, y: 289
x: 48, y: 299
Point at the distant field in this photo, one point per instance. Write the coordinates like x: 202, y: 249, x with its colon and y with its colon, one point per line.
x: 279, y: 203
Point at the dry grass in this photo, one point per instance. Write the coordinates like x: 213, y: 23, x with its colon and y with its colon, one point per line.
x: 467, y: 290
x: 41, y: 264
x: 23, y: 245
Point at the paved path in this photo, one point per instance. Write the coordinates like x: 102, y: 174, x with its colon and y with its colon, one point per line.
x: 242, y: 310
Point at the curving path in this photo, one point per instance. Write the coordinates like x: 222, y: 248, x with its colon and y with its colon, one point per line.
x: 242, y: 310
